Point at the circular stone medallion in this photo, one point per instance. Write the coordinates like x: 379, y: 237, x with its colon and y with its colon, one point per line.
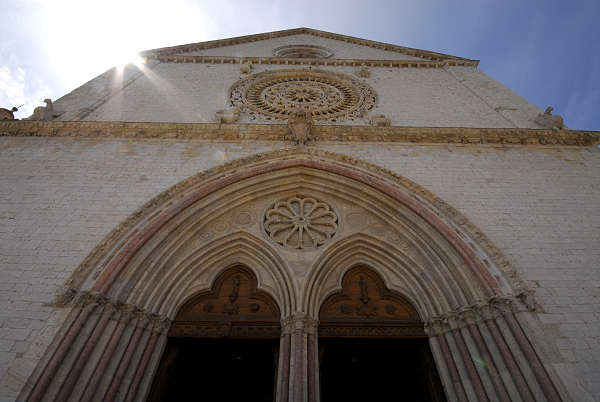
x: 328, y: 95
x: 300, y: 223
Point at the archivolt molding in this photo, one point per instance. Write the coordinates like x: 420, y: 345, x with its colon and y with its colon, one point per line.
x: 166, y: 290
x: 121, y: 244
x: 433, y: 289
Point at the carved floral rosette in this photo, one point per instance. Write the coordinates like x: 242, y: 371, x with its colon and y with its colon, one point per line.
x: 300, y: 222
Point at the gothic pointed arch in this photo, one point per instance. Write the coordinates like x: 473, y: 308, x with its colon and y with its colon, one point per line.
x: 232, y: 307
x: 365, y: 307
x: 127, y: 291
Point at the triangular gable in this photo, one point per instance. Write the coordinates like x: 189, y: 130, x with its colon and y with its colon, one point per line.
x: 343, y: 47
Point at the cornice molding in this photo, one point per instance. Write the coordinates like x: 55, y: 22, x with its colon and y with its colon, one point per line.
x: 192, y: 47
x: 278, y: 132
x: 315, y: 62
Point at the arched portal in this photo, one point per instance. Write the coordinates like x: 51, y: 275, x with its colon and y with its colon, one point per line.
x: 126, y: 294
x: 372, y: 344
x: 223, y: 336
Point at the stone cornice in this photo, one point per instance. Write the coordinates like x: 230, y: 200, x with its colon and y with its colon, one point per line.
x: 433, y: 56
x: 278, y: 132
x: 314, y: 62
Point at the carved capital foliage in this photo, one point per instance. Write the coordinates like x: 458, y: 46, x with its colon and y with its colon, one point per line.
x: 473, y: 314
x: 118, y: 310
x: 299, y: 323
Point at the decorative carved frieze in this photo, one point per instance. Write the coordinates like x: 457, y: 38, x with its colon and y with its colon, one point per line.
x: 462, y: 136
x: 300, y: 222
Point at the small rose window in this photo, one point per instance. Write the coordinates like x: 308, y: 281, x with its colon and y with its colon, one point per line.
x: 302, y: 52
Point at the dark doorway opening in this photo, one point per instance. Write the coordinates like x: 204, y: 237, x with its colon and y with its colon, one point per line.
x: 195, y: 369
x: 378, y: 370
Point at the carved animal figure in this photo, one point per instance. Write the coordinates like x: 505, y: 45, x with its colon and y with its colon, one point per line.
x: 43, y: 113
x: 6, y: 114
x: 549, y: 121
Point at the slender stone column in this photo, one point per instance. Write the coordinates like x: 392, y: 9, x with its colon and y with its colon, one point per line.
x: 107, y: 356
x: 123, y: 366
x: 468, y: 362
x: 85, y: 307
x: 84, y: 356
x: 283, y: 375
x: 510, y: 362
x: 312, y: 361
x: 477, y: 333
x: 538, y: 369
x: 159, y: 329
x: 301, y: 387
x: 457, y: 385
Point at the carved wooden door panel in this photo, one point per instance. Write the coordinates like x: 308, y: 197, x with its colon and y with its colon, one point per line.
x: 365, y: 307
x: 381, y: 353
x: 233, y: 308
x: 223, y: 344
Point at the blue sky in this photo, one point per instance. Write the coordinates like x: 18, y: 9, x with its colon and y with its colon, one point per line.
x: 546, y: 51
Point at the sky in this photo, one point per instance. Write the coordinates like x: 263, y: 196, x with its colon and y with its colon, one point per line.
x: 546, y: 51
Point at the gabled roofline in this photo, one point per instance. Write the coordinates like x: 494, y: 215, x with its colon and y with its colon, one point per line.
x: 191, y: 47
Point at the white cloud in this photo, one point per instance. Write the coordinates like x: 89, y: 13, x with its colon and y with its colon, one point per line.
x: 18, y: 87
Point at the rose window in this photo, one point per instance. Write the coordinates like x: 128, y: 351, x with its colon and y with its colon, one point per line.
x: 300, y: 223
x: 274, y: 95
x: 302, y: 52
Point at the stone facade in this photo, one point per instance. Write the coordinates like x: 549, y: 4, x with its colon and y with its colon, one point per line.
x: 76, y: 197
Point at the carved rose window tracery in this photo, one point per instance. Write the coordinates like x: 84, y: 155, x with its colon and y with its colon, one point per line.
x: 274, y: 95
x: 300, y: 223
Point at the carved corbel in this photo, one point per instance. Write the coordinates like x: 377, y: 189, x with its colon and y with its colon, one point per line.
x: 379, y: 120
x: 363, y: 72
x: 246, y: 68
x: 230, y: 115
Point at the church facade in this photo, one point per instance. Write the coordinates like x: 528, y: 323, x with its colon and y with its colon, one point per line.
x: 298, y: 216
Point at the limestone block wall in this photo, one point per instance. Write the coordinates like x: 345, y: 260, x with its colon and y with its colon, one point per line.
x: 193, y: 92
x: 60, y: 196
